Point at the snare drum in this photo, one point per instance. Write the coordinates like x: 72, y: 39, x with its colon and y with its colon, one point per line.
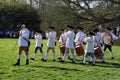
x: 98, y: 52
x: 107, y: 38
x: 62, y: 49
x: 79, y: 50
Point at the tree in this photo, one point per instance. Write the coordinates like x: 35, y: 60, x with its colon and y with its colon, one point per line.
x: 13, y: 14
x: 54, y: 13
x: 102, y: 12
x: 36, y: 3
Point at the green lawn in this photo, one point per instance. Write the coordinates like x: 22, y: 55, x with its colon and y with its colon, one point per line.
x: 38, y: 70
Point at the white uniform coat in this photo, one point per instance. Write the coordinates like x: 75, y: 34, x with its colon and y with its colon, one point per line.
x: 38, y: 40
x: 51, y: 39
x: 97, y: 40
x: 70, y: 39
x: 89, y: 45
x: 79, y: 38
x: 24, y: 33
x: 62, y: 38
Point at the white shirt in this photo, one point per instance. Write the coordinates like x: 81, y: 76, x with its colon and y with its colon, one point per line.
x: 51, y: 39
x: 113, y: 35
x: 24, y: 33
x: 97, y: 40
x: 38, y: 40
x: 70, y: 39
x: 62, y: 38
x: 79, y: 38
x: 89, y: 45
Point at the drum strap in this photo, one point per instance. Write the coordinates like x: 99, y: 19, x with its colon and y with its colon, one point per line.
x: 63, y: 40
x: 81, y: 41
x: 97, y: 41
x: 111, y: 37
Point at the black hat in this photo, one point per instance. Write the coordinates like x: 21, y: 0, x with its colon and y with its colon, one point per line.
x: 96, y: 30
x: 108, y: 28
x: 51, y: 27
x: 80, y: 28
x: 91, y: 33
x: 39, y: 31
x: 62, y: 29
x: 69, y: 26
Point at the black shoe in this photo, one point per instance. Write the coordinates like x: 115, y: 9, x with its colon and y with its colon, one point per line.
x: 59, y: 58
x: 112, y: 57
x: 61, y: 61
x: 90, y: 62
x: 44, y: 60
x: 54, y: 60
x: 32, y: 59
x: 82, y: 63
x: 16, y: 64
x: 69, y: 57
x: 27, y: 62
x: 103, y: 61
x: 73, y: 61
x: 93, y: 64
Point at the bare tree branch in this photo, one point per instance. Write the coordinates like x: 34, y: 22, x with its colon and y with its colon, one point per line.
x: 115, y: 1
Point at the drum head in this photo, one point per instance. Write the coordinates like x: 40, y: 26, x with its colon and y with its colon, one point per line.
x: 107, y: 38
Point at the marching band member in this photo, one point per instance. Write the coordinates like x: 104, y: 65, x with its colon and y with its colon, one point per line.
x: 38, y: 45
x: 107, y: 39
x: 69, y: 43
x: 97, y: 38
x: 55, y: 35
x: 89, y: 48
x: 79, y: 40
x: 51, y: 35
x: 97, y: 44
x: 23, y: 44
x: 62, y: 41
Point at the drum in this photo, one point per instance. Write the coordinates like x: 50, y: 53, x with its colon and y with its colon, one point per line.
x: 107, y: 38
x: 62, y: 49
x: 79, y: 50
x: 98, y: 52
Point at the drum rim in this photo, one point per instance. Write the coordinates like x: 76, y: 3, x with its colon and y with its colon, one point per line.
x: 109, y: 40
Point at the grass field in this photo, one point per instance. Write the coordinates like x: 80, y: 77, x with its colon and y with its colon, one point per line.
x: 38, y: 70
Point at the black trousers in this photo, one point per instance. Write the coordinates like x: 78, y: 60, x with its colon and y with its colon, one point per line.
x: 36, y: 49
x: 108, y: 46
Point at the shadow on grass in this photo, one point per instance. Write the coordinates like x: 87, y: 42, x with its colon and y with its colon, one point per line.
x: 108, y: 64
x: 57, y: 68
x: 98, y: 63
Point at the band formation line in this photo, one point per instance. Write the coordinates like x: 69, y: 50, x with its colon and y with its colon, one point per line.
x: 69, y: 43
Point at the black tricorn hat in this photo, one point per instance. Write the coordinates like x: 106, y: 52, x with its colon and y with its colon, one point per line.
x: 80, y: 28
x: 108, y: 28
x: 62, y: 29
x: 69, y: 26
x: 96, y: 30
x: 51, y: 27
x: 91, y: 33
x: 39, y: 31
